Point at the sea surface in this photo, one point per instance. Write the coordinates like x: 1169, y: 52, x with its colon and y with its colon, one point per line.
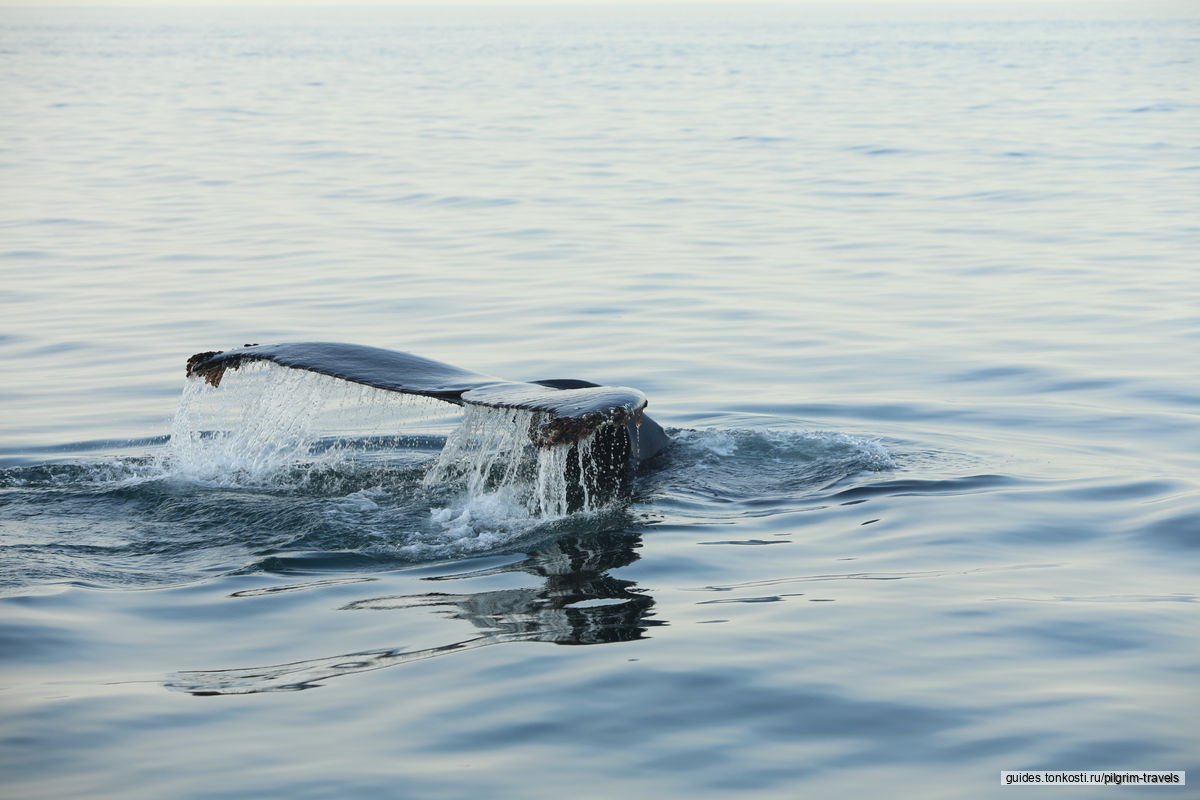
x: 915, y: 291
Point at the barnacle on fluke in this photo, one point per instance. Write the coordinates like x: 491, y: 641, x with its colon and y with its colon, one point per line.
x: 198, y: 366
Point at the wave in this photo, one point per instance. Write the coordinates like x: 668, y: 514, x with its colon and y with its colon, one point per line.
x: 365, y: 503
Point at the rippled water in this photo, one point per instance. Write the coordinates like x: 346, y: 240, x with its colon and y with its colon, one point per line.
x: 914, y: 292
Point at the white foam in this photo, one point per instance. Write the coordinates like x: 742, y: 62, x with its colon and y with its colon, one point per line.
x: 717, y: 442
x: 362, y: 500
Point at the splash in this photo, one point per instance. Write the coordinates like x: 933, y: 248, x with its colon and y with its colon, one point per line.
x: 492, y: 458
x: 716, y: 445
x: 765, y: 465
x: 280, y: 428
x: 265, y: 420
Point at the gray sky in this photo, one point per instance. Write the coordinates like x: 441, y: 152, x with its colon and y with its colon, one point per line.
x: 435, y: 3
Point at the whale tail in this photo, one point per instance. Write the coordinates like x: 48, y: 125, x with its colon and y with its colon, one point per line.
x: 569, y: 410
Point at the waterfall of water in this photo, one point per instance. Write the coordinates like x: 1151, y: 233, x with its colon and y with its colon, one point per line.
x: 492, y: 454
x: 265, y: 420
x: 267, y: 424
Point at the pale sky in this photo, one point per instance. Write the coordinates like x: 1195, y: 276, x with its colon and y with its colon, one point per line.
x: 436, y: 3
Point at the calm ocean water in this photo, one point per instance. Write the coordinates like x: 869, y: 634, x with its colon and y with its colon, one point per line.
x: 915, y: 291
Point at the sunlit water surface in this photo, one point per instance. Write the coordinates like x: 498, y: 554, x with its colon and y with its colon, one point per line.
x: 915, y: 293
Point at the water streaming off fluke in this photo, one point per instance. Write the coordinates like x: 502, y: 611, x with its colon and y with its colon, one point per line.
x: 265, y: 420
x: 492, y: 453
x: 270, y: 426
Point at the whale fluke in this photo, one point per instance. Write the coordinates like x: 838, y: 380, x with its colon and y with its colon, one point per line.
x: 572, y: 409
x: 372, y: 366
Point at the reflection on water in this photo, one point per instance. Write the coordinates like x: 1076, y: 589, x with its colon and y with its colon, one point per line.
x: 579, y: 603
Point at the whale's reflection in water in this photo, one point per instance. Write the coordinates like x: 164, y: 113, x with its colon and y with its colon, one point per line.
x: 579, y: 603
